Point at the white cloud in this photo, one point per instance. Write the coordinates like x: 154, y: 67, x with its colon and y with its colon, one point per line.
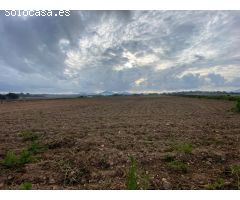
x: 139, y: 81
x: 120, y: 50
x: 229, y: 72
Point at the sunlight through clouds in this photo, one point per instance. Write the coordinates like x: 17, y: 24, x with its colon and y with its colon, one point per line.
x: 122, y: 51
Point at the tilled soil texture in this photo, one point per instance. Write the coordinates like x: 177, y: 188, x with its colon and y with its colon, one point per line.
x: 177, y: 142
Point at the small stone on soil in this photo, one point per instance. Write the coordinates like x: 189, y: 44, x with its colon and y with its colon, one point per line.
x: 1, y: 185
x: 52, y: 181
x: 9, y: 177
x: 166, y: 184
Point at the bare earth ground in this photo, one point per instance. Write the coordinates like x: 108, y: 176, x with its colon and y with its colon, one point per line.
x: 90, y: 140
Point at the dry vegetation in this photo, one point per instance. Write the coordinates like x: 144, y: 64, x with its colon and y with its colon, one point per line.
x: 87, y: 143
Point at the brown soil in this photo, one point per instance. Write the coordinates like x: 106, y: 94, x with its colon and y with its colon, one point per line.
x: 90, y: 140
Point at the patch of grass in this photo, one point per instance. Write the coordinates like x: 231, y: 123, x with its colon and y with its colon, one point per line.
x: 136, y: 181
x: 25, y: 157
x: 238, y: 105
x: 168, y: 158
x: 216, y: 185
x: 235, y: 170
x: 185, y: 148
x: 217, y: 141
x: 144, y: 182
x: 132, y: 175
x: 25, y: 186
x: 178, y: 166
x: 10, y: 160
x: 35, y: 147
x: 28, y: 136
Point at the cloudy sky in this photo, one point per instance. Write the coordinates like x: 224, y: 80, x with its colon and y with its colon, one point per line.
x: 138, y: 51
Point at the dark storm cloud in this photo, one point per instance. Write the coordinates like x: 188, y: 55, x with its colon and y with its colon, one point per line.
x: 121, y: 51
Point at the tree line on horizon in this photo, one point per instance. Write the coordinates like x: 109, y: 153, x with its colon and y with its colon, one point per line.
x: 9, y: 96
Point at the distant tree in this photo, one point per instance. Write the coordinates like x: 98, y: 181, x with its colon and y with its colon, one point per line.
x: 2, y: 97
x: 12, y: 96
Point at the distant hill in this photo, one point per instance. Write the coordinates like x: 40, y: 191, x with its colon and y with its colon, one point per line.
x: 205, y: 93
x: 106, y: 93
x: 238, y: 91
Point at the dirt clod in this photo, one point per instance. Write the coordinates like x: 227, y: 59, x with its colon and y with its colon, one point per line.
x: 166, y: 184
